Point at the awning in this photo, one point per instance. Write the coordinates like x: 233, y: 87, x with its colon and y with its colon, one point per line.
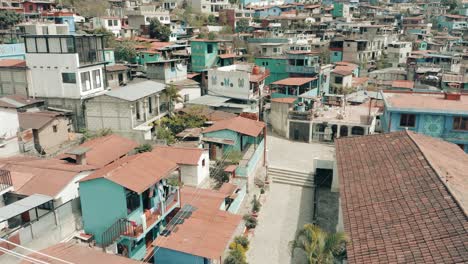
x: 219, y: 140
x: 23, y: 205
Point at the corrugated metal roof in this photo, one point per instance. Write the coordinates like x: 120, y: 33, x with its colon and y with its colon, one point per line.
x: 23, y: 205
x: 135, y: 91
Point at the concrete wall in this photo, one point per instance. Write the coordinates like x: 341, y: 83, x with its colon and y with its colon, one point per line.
x: 195, y: 175
x: 13, y: 81
x: 70, y: 192
x: 48, y: 139
x: 9, y: 124
x: 108, y: 112
x: 229, y: 82
x: 103, y: 202
x: 279, y: 118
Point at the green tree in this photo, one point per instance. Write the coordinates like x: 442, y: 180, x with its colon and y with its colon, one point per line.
x: 242, y: 25
x: 256, y: 205
x: 212, y: 20
x: 211, y: 36
x: 319, y: 246
x: 125, y: 51
x: 88, y: 8
x: 158, y: 30
x: 8, y: 19
x: 165, y: 134
x: 174, y: 97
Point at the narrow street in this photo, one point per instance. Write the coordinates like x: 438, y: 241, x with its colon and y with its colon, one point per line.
x: 287, y: 207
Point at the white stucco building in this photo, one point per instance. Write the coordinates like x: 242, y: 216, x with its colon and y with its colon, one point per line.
x: 193, y: 163
x: 66, y: 70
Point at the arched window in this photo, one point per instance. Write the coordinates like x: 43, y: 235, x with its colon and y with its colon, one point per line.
x: 357, y: 130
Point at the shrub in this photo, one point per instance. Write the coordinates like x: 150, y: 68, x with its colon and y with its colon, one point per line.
x: 250, y: 221
x: 236, y: 255
x: 262, y: 191
x: 256, y: 205
x: 144, y: 148
x: 243, y: 241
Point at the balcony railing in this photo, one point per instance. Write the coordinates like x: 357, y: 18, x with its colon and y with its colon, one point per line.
x: 300, y: 115
x: 120, y: 227
x: 5, y: 180
x: 301, y: 69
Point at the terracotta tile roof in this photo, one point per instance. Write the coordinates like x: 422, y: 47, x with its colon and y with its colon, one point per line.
x: 42, y: 176
x: 238, y: 124
x: 207, y: 231
x: 228, y: 188
x: 346, y: 68
x: 227, y: 56
x: 396, y: 209
x: 185, y: 156
x: 425, y: 101
x: 285, y: 100
x: 403, y: 84
x: 359, y: 80
x: 104, y: 150
x: 36, y: 120
x: 12, y: 63
x: 116, y: 67
x: 342, y: 72
x: 137, y: 172
x: 76, y: 253
x: 296, y: 81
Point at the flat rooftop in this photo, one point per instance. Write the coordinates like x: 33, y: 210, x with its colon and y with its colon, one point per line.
x: 425, y: 102
x: 354, y: 114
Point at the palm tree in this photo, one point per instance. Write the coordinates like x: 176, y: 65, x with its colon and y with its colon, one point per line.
x: 173, y: 95
x: 319, y: 246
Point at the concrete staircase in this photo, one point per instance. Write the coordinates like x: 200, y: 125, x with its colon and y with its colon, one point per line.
x: 291, y: 177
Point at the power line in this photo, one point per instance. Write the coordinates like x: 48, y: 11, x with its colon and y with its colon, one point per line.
x: 37, y: 252
x: 21, y: 256
x: 194, y: 198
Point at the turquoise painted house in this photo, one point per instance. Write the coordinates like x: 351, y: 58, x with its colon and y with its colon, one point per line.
x: 438, y: 115
x: 295, y: 87
x: 238, y: 134
x: 205, y: 232
x: 276, y: 66
x: 204, y: 54
x: 126, y: 203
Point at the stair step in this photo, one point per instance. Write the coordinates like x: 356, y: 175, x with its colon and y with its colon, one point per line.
x: 299, y: 173
x: 288, y: 171
x: 289, y: 176
x: 288, y: 182
x: 293, y: 180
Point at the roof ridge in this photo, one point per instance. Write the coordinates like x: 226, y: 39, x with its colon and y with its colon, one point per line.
x: 440, y: 177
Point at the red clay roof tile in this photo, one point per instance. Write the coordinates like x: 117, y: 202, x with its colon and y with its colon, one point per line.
x: 396, y: 209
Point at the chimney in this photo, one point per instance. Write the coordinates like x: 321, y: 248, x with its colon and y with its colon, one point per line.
x: 79, y: 155
x: 452, y: 96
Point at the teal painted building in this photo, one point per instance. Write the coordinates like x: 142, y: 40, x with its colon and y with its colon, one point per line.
x: 241, y: 135
x: 276, y: 66
x: 204, y: 54
x: 336, y: 56
x: 146, y: 56
x: 452, y: 22
x: 12, y: 51
x: 338, y: 10
x: 117, y: 208
x: 109, y: 57
x: 438, y: 115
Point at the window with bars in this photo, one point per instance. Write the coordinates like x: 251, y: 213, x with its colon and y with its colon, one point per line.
x: 460, y: 123
x: 408, y: 120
